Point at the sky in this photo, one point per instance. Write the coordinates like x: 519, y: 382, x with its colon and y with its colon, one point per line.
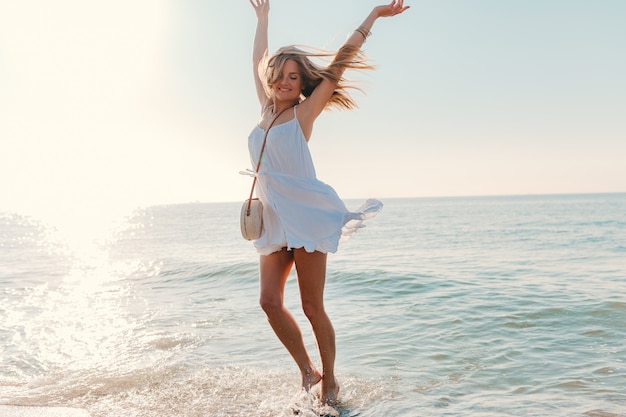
x: 109, y: 105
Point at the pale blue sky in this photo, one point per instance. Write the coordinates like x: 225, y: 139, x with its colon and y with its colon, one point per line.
x: 121, y: 103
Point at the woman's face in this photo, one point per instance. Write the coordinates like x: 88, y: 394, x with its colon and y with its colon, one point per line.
x: 289, y: 85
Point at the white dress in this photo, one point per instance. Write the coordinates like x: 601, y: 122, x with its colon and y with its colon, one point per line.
x: 299, y: 211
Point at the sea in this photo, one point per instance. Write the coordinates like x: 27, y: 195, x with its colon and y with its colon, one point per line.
x: 468, y: 306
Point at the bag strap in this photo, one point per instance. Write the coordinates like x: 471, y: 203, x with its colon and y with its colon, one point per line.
x: 258, y: 165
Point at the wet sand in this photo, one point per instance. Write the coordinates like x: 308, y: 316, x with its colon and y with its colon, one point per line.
x: 27, y: 411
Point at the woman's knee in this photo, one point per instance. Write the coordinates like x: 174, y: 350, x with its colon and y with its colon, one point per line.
x: 313, y: 310
x: 270, y: 304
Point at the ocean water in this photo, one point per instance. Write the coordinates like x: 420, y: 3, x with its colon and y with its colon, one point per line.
x: 492, y: 306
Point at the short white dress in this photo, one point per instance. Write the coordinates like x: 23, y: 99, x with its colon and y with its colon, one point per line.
x: 299, y: 211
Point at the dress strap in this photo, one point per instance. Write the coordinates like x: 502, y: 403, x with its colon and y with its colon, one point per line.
x: 295, y: 115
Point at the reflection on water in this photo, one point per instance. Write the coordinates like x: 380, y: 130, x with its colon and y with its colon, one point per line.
x: 73, y: 318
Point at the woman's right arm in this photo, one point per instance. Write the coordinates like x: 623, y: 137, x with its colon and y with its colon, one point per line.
x: 259, y: 51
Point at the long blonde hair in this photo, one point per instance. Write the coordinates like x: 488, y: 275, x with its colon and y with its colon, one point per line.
x: 348, y: 57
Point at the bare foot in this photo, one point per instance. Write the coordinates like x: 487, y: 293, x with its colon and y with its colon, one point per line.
x: 330, y: 390
x: 310, y: 378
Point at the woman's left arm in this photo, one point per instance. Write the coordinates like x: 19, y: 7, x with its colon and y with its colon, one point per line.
x: 362, y: 32
x: 316, y: 102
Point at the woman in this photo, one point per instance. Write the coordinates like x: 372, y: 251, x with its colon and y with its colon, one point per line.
x: 304, y: 218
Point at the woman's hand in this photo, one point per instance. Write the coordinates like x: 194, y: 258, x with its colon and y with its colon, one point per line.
x: 261, y: 7
x: 391, y: 9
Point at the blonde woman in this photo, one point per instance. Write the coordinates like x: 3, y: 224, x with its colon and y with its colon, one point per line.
x: 304, y: 218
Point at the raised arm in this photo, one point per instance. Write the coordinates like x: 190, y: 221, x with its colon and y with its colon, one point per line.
x: 362, y: 32
x: 259, y: 50
x: 315, y: 104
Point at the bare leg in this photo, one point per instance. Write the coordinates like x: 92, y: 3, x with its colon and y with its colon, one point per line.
x: 311, y: 269
x: 274, y: 270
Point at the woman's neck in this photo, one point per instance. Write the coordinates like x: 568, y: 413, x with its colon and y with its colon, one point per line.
x: 279, y: 106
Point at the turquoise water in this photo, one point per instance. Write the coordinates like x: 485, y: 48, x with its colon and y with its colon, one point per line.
x: 493, y: 306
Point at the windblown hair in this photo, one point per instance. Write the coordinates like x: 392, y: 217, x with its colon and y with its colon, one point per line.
x: 348, y: 57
